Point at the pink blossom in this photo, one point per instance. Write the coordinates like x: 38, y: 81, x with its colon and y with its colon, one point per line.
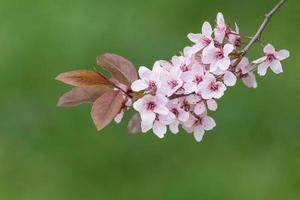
x: 203, y: 39
x: 201, y: 105
x: 229, y: 78
x: 182, y: 62
x: 271, y: 59
x: 221, y: 28
x: 150, y: 80
x: 159, y: 125
x: 171, y: 82
x: 149, y: 106
x: 218, y: 58
x: 180, y: 114
x: 244, y: 71
x: 211, y: 88
x: 193, y: 79
x: 198, y: 125
x: 234, y: 37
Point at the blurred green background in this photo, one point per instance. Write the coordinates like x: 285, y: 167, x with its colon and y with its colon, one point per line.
x: 51, y: 153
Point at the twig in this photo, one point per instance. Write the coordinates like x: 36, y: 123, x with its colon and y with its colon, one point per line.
x: 259, y: 32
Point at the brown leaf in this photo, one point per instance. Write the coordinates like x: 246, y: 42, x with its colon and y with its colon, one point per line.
x: 106, y: 107
x: 81, y: 78
x: 120, y: 68
x: 79, y: 95
x: 134, y: 124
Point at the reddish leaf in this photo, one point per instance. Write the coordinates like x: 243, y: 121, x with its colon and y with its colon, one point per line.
x: 106, y: 107
x: 81, y: 78
x: 134, y: 124
x: 80, y: 95
x: 120, y: 68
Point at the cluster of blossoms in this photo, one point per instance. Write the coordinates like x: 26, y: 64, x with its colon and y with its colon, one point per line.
x: 176, y: 93
x: 182, y: 91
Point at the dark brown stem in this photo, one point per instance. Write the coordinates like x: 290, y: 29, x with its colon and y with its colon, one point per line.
x: 259, y: 32
x: 175, y: 96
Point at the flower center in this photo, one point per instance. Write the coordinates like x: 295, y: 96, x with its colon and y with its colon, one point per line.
x: 214, y: 86
x: 206, y: 41
x: 185, y: 105
x: 238, y: 42
x: 198, y: 79
x: 175, y: 112
x: 152, y: 85
x: 184, y: 68
x: 173, y: 83
x: 219, y: 55
x: 151, y: 105
x: 270, y: 57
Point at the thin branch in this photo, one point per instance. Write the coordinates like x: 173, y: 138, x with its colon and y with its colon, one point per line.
x: 259, y: 32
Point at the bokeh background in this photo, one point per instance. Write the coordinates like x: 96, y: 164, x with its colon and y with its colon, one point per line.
x: 56, y: 153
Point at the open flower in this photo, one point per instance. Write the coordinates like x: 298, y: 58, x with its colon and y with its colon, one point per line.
x: 193, y: 79
x: 159, y: 125
x: 201, y: 105
x: 171, y: 82
x: 218, y: 58
x: 150, y: 80
x: 198, y: 125
x: 149, y: 106
x: 182, y: 62
x: 211, y: 88
x: 234, y: 37
x: 221, y: 28
x: 203, y: 39
x: 181, y: 115
x: 271, y: 59
x: 243, y: 69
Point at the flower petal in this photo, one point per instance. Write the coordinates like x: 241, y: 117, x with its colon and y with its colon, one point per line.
x: 269, y: 49
x: 183, y: 116
x: 159, y: 129
x: 196, y: 38
x: 262, y: 68
x: 228, y: 48
x: 198, y: 133
x: 147, y: 117
x: 206, y: 29
x: 174, y: 127
x: 224, y: 63
x: 276, y: 67
x: 282, y: 54
x: 212, y: 104
x: 208, y: 123
x: 260, y: 60
x: 144, y: 72
x: 249, y: 80
x: 146, y: 127
x: 139, y: 85
x: 229, y: 78
x: 200, y: 108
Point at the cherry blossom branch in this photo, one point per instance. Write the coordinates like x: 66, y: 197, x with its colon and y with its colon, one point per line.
x: 214, y: 63
x: 259, y: 32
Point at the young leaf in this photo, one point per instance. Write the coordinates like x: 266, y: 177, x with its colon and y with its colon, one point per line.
x: 120, y: 68
x: 106, y: 107
x: 79, y: 95
x: 134, y: 124
x: 82, y: 78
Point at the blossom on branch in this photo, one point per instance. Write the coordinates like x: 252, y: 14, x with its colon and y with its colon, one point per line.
x: 180, y: 92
